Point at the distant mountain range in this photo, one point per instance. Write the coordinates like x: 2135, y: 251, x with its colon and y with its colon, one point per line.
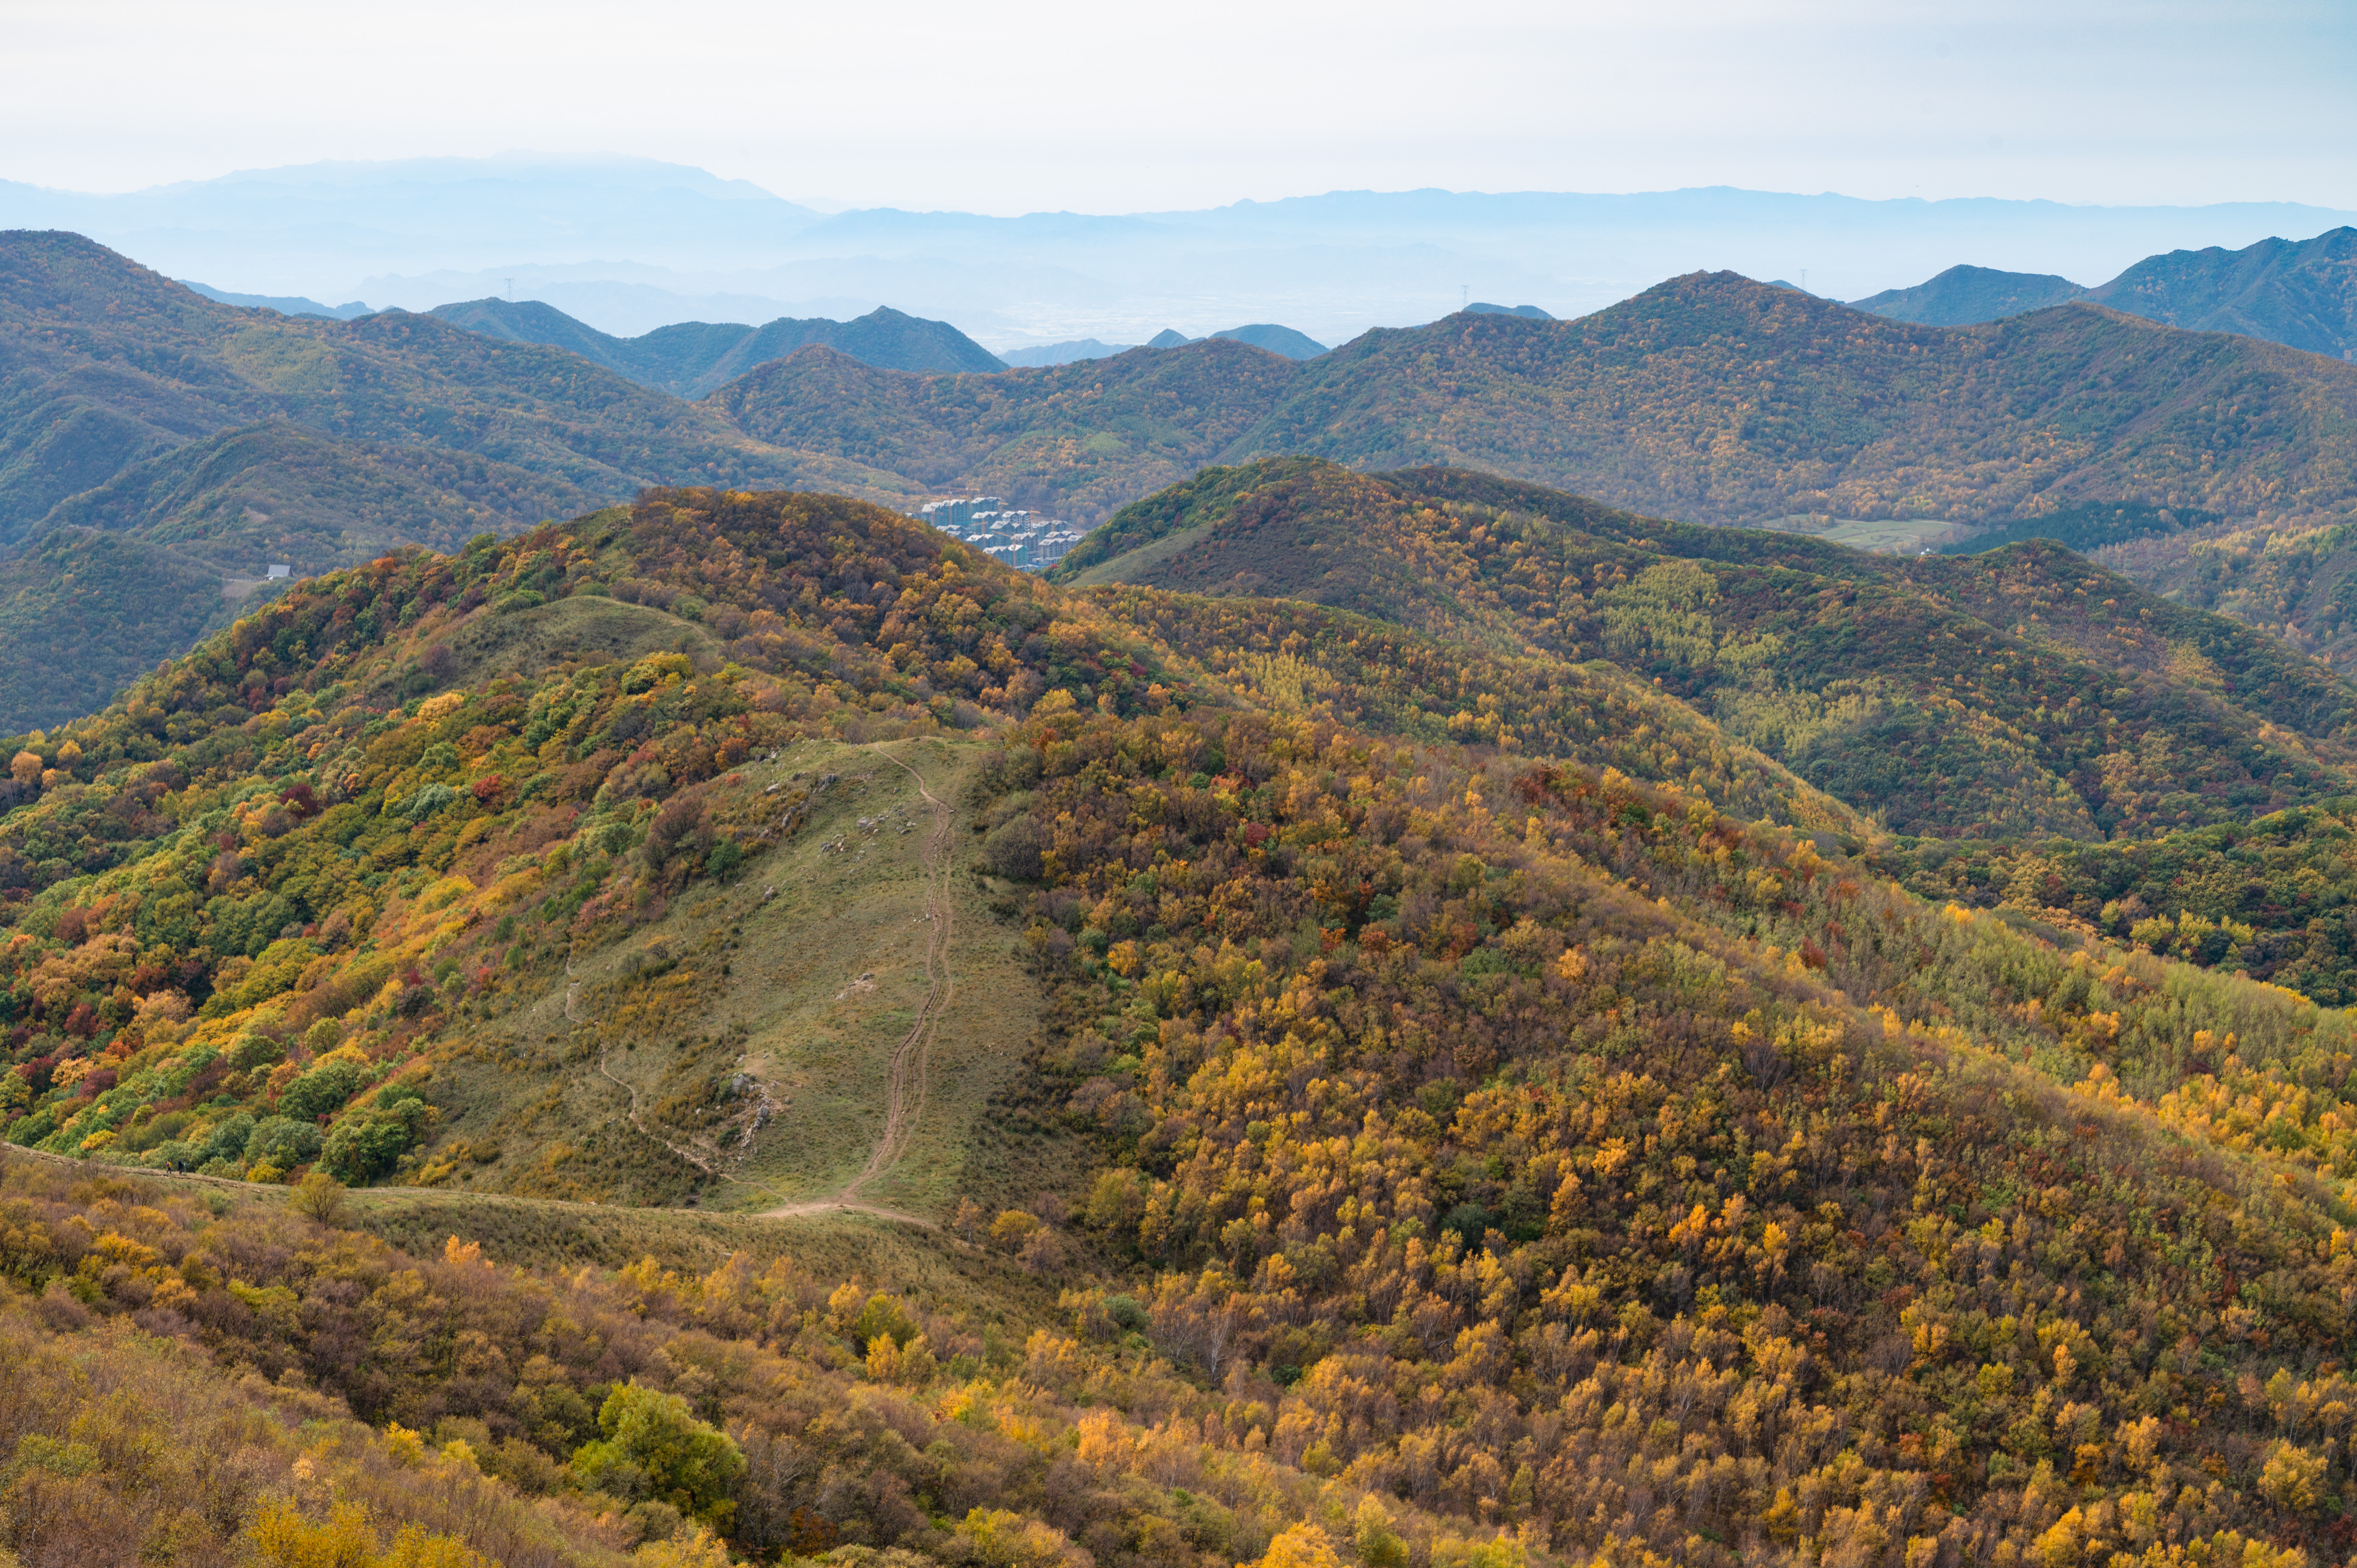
x: 286, y: 305
x: 628, y: 245
x: 2302, y: 293
x: 692, y: 358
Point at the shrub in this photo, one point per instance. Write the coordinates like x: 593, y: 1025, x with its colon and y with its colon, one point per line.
x: 284, y: 1141
x: 323, y: 1089
x: 1012, y: 849
x: 365, y: 1145
x: 321, y: 1197
x: 228, y: 1140
x: 656, y: 1448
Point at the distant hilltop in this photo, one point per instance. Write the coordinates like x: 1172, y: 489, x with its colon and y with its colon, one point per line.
x: 1265, y: 335
x: 2300, y: 293
x: 286, y: 305
x: 692, y: 357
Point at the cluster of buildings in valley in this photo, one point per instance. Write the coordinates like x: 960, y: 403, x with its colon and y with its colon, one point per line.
x: 1021, y: 539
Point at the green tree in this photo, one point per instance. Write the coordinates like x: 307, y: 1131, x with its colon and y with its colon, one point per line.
x: 367, y: 1144
x: 655, y: 1447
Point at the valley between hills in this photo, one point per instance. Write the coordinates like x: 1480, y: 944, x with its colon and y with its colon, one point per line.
x: 1428, y: 998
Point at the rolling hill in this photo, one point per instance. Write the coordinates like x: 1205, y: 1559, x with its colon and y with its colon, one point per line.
x: 1080, y: 438
x: 1276, y: 340
x: 2014, y: 692
x: 692, y: 357
x: 1968, y: 295
x: 1710, y: 398
x: 1301, y: 1135
x: 207, y: 434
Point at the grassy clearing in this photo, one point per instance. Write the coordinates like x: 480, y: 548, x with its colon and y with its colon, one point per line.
x: 1885, y: 536
x: 833, y: 976
x: 787, y: 987
x: 586, y: 629
x: 1144, y: 558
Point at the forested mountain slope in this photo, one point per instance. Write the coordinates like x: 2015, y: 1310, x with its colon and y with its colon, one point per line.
x: 207, y: 434
x: 1708, y: 398
x: 2303, y: 293
x: 131, y: 403
x: 1715, y: 399
x: 2299, y: 584
x: 1450, y: 1151
x: 690, y: 358
x: 1081, y: 438
x: 2020, y: 691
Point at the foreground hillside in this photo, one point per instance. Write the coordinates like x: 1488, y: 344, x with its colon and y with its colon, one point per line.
x: 1325, y: 1133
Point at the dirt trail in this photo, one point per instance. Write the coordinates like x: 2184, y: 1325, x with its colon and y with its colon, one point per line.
x: 698, y: 1161
x: 913, y: 1056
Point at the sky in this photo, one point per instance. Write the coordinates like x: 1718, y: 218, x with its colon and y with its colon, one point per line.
x: 1052, y: 106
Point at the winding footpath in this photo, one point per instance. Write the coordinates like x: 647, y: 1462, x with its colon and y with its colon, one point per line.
x: 908, y: 1076
x: 913, y: 1056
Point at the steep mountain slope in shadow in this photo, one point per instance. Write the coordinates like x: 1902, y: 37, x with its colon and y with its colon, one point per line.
x: 2303, y: 293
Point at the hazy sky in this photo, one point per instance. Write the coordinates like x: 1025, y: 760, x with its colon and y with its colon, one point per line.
x: 1095, y: 107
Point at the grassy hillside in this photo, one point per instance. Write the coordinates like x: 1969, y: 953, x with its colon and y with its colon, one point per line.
x: 1327, y: 1131
x: 690, y: 358
x: 2015, y: 692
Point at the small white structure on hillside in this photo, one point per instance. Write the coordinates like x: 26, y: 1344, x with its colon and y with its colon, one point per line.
x: 270, y: 573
